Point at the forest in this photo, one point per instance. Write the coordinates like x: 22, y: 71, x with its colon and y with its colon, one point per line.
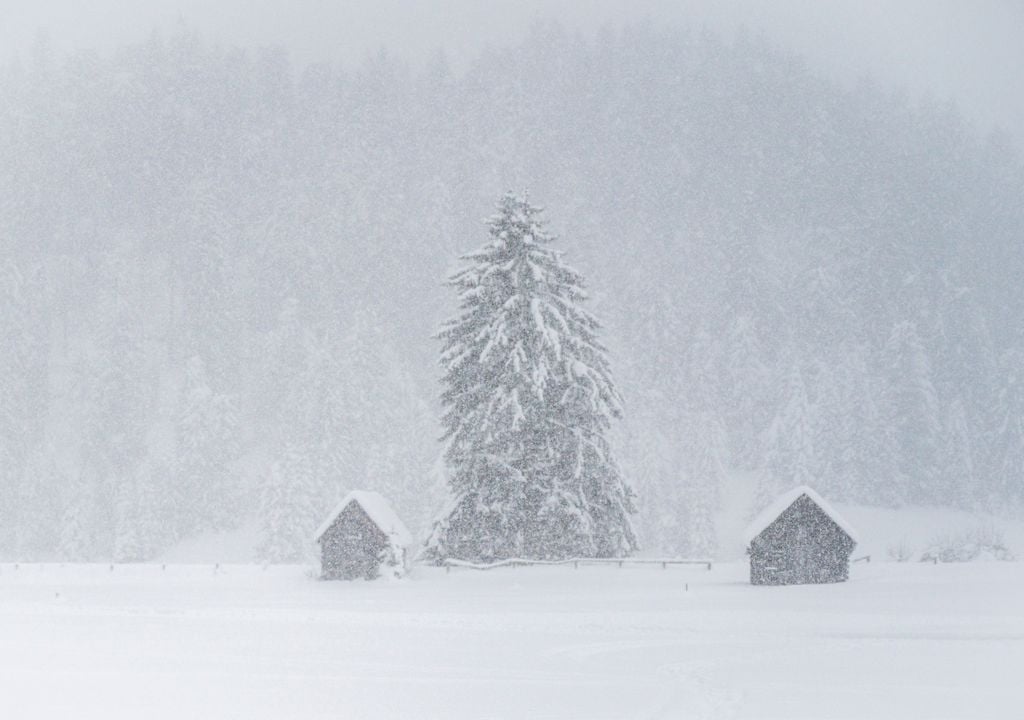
x: 222, y: 274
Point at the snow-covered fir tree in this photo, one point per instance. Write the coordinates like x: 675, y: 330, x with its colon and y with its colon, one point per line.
x: 23, y: 394
x: 707, y: 475
x: 528, y: 399
x: 288, y: 507
x: 789, y: 456
x: 207, y: 444
x: 913, y: 411
x: 39, y: 503
x: 298, y: 388
x: 747, y: 383
x: 76, y: 539
x: 1008, y: 457
x: 139, y: 524
x: 381, y: 413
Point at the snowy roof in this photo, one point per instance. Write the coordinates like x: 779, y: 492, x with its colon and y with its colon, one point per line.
x: 378, y: 510
x: 767, y: 516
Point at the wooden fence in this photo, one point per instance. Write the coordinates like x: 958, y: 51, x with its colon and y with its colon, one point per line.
x: 449, y: 563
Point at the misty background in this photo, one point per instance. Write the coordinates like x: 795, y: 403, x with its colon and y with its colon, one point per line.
x: 224, y: 236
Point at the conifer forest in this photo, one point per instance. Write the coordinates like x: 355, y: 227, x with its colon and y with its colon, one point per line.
x: 230, y: 288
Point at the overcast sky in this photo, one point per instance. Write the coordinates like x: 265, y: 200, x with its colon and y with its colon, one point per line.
x: 970, y: 50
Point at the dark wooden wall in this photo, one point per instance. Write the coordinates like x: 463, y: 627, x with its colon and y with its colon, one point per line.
x: 353, y: 546
x: 803, y: 545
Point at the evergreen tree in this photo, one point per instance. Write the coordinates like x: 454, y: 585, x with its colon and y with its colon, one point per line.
x: 854, y: 440
x: 958, y: 475
x: 77, y: 537
x: 288, y: 507
x: 747, y: 381
x: 1007, y: 481
x: 380, y: 415
x: 707, y: 476
x: 654, y: 465
x: 23, y: 396
x: 913, y: 412
x: 790, y: 455
x: 130, y: 525
x: 117, y: 387
x: 528, y: 401
x: 38, y: 502
x: 207, y: 444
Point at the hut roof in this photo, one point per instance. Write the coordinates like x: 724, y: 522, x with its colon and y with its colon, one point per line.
x: 767, y: 516
x: 378, y: 510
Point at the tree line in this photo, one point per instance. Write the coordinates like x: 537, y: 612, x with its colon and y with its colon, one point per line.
x: 221, y: 274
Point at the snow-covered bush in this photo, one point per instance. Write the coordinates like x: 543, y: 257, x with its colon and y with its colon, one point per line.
x: 984, y: 542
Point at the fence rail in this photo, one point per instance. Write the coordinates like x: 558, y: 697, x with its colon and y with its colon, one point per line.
x: 449, y: 563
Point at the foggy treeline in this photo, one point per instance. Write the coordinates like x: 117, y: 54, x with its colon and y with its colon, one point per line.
x: 221, y: 273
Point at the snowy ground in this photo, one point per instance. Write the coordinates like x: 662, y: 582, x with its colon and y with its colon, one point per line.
x: 898, y: 641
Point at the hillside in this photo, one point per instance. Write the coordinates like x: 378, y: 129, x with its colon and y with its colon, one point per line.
x: 210, y: 255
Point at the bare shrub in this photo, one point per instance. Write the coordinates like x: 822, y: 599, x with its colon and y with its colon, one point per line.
x: 900, y: 551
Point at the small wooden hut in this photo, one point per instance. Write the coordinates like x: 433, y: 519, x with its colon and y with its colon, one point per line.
x: 799, y: 539
x: 362, y: 538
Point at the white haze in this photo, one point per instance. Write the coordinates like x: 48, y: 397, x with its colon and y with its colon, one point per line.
x: 221, y: 269
x: 969, y: 52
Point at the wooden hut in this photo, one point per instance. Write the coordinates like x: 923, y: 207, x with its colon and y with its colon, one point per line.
x: 362, y: 538
x: 799, y: 539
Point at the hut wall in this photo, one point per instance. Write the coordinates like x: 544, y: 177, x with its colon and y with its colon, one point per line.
x: 353, y: 547
x: 803, y: 545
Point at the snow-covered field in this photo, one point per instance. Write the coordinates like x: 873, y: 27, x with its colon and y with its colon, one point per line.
x: 898, y: 641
